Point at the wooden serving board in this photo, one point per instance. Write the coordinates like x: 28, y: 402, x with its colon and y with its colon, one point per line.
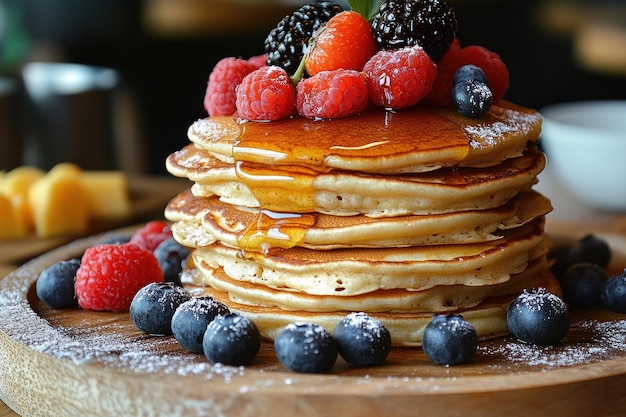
x: 74, y: 362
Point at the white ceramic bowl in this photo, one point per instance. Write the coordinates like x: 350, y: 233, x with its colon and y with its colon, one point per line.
x: 585, y: 143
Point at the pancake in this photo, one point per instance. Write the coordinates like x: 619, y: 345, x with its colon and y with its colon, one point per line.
x: 349, y: 272
x: 406, y: 329
x: 400, y: 214
x: 438, y: 299
x: 416, y: 139
x: 204, y: 220
x: 344, y: 193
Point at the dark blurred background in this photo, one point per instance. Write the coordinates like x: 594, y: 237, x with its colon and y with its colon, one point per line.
x: 556, y: 50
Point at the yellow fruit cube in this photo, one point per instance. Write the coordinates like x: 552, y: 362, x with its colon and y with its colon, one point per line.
x: 15, y: 185
x: 9, y: 225
x: 58, y: 203
x: 106, y: 194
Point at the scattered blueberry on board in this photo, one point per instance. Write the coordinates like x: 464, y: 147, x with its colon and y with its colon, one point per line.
x: 232, y: 340
x: 449, y: 340
x: 590, y: 248
x: 538, y: 317
x: 191, y: 319
x: 613, y: 293
x: 55, y: 284
x: 153, y: 306
x: 304, y: 347
x: 171, y: 256
x: 581, y: 284
x: 362, y: 340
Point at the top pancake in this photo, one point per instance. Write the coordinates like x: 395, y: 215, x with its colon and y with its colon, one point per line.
x: 418, y: 139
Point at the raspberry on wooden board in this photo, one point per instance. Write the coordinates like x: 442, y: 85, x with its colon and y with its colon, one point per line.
x: 110, y: 275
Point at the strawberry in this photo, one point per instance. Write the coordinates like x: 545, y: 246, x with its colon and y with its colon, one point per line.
x: 400, y: 77
x: 332, y: 94
x: 345, y: 42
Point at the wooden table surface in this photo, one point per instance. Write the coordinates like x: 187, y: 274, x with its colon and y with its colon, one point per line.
x: 567, y: 213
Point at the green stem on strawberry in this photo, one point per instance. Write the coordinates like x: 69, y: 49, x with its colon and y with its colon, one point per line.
x: 297, y: 75
x: 366, y: 8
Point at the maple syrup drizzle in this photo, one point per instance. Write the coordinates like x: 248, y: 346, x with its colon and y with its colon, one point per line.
x: 272, y: 229
x: 279, y: 161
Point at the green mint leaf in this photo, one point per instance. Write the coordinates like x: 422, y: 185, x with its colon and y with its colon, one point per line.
x: 366, y: 8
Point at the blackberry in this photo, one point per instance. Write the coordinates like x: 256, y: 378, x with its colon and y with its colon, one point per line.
x: 286, y: 43
x: 429, y: 23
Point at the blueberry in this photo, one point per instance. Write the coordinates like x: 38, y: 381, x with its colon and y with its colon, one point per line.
x: 362, y: 340
x: 171, y: 256
x: 232, y: 340
x: 449, y: 340
x: 191, y: 319
x: 55, y: 284
x: 115, y: 240
x: 564, y: 257
x: 538, y: 317
x: 472, y: 98
x: 582, y: 283
x: 595, y: 250
x: 469, y: 72
x: 613, y: 293
x: 154, y: 305
x: 304, y: 347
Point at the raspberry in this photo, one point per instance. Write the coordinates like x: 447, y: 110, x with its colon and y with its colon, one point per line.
x: 151, y: 235
x: 446, y: 68
x: 456, y: 57
x: 345, y: 42
x: 266, y: 94
x: 219, y: 99
x: 258, y: 60
x: 495, y: 69
x: 110, y: 275
x: 333, y: 94
x: 400, y: 77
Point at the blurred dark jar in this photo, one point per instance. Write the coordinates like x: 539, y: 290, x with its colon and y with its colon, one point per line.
x: 69, y: 115
x: 11, y: 127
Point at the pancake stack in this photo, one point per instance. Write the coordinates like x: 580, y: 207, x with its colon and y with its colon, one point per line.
x: 401, y: 215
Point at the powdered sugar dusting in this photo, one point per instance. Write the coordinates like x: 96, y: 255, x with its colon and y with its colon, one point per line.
x: 589, y: 341
x: 508, y: 122
x: 103, y: 343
